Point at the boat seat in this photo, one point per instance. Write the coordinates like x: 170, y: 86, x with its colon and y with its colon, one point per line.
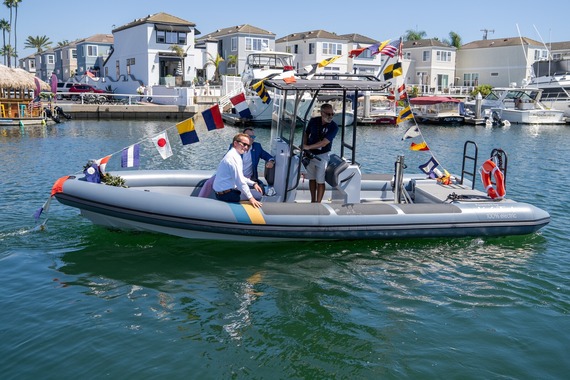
x: 335, y: 166
x: 345, y: 179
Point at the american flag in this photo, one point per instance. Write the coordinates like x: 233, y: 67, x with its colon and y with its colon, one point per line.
x: 391, y: 49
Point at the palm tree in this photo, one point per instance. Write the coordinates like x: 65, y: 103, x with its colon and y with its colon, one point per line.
x: 180, y: 53
x: 454, y: 40
x: 13, y: 6
x: 5, y: 27
x: 216, y: 63
x: 40, y: 43
x: 414, y: 35
x: 232, y: 61
x: 63, y: 43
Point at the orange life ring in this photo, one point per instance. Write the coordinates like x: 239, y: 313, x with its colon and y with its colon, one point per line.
x: 489, y: 169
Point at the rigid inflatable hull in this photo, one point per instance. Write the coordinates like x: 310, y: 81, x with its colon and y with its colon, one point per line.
x: 153, y: 209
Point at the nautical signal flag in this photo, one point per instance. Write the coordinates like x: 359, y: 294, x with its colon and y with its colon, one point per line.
x: 162, y: 145
x: 393, y: 71
x: 356, y: 52
x: 240, y: 104
x: 412, y: 132
x: 404, y: 114
x: 421, y: 146
x: 187, y: 132
x: 328, y: 61
x: 213, y: 118
x: 130, y: 157
x: 429, y: 166
x: 102, y: 163
x: 259, y: 87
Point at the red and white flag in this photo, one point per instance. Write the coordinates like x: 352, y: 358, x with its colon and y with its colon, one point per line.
x: 102, y: 163
x: 240, y: 104
x: 162, y: 145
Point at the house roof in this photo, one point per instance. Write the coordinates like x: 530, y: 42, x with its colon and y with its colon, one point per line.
x: 424, y: 43
x: 500, y: 42
x: 97, y: 38
x: 313, y: 34
x: 358, y: 38
x: 238, y: 29
x: 157, y: 18
x: 565, y: 45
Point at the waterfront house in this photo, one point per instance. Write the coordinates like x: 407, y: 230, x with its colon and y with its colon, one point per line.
x: 45, y: 64
x: 498, y: 62
x: 92, y: 53
x: 234, y: 45
x: 315, y: 46
x: 364, y: 63
x: 65, y: 61
x: 431, y: 65
x: 143, y: 53
x: 28, y: 63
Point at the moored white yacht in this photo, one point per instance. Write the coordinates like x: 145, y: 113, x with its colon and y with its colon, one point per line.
x: 519, y: 105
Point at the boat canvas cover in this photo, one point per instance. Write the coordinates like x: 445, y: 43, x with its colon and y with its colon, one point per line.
x: 429, y: 100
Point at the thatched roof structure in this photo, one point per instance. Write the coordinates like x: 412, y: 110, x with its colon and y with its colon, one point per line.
x: 19, y: 79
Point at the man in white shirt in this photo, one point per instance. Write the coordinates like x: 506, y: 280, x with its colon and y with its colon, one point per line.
x: 230, y: 185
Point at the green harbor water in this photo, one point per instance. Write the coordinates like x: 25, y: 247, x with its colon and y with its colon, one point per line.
x: 81, y: 301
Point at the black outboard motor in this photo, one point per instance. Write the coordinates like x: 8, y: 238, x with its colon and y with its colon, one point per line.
x: 497, y: 122
x: 50, y: 115
x: 59, y: 112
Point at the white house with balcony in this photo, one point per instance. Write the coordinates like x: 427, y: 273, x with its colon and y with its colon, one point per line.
x: 234, y: 45
x: 366, y: 62
x: 498, y: 62
x: 315, y: 46
x: 143, y: 53
x: 431, y: 65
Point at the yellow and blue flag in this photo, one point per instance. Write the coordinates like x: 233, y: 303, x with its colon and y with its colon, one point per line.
x: 187, y: 132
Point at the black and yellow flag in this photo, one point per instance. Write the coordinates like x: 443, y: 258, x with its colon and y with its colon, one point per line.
x: 393, y: 71
x: 259, y: 87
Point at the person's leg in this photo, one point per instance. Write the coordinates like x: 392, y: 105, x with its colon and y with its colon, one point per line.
x: 320, y: 192
x: 313, y: 190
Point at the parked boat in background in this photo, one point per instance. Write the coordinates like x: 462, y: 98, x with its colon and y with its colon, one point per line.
x: 553, y: 78
x: 376, y: 109
x: 519, y: 105
x: 260, y: 65
x: 440, y: 110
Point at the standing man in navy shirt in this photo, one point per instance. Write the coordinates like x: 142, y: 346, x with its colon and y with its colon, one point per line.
x: 318, y: 140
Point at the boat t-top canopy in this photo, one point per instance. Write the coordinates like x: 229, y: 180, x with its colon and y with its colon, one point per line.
x: 346, y: 83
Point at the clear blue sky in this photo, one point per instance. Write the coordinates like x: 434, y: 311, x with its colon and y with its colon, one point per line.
x: 71, y: 19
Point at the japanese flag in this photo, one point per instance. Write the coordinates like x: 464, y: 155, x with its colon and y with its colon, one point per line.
x: 162, y: 145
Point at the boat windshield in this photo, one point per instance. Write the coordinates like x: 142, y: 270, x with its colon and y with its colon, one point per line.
x: 269, y: 61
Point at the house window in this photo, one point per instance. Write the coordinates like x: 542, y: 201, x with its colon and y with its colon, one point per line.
x: 256, y: 43
x: 234, y: 43
x: 332, y: 48
x: 425, y: 56
x: 74, y: 53
x: 50, y: 59
x: 296, y: 49
x: 541, y: 55
x: 366, y: 54
x: 117, y: 70
x: 166, y: 37
x: 556, y: 56
x: 92, y: 50
x: 287, y: 49
x: 471, y: 79
x: 32, y: 64
x: 443, y: 56
x: 312, y: 48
